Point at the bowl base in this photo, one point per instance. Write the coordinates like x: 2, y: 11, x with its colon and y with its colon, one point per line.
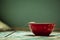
x: 41, y: 35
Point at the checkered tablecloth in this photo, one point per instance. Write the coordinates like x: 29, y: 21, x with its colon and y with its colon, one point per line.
x: 27, y: 35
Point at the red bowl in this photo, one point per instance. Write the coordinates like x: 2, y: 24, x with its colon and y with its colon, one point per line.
x: 41, y: 29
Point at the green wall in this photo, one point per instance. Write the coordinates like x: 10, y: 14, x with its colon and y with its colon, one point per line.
x: 20, y: 12
x: 0, y: 9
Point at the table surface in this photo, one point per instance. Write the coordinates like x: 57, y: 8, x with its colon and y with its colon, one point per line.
x: 27, y: 35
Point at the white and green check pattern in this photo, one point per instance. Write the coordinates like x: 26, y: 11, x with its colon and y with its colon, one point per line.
x: 27, y: 35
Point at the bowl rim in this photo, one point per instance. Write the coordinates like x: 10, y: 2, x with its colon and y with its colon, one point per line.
x: 42, y: 23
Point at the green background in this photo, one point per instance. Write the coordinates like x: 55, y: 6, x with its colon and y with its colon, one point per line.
x: 19, y: 12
